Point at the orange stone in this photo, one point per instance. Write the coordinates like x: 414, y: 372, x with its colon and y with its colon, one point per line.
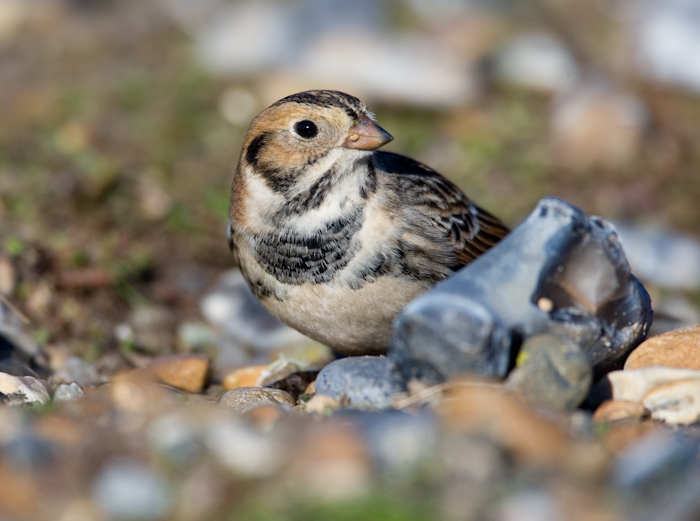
x: 677, y: 348
x: 189, y: 372
x: 311, y: 388
x: 244, y: 377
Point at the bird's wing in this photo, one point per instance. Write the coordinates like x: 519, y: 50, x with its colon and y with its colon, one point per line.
x: 470, y: 229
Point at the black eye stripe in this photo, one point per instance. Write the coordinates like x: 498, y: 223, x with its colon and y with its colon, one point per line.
x: 306, y: 129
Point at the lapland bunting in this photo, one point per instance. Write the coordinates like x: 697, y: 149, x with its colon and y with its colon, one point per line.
x: 335, y: 237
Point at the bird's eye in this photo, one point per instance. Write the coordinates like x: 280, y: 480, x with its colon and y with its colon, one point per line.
x: 306, y: 129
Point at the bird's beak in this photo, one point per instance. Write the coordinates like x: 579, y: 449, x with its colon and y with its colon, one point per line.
x: 365, y: 134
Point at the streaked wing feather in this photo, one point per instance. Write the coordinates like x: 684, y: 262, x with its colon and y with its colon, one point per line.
x: 471, y: 229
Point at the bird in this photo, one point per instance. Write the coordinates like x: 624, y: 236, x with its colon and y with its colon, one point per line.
x: 335, y: 237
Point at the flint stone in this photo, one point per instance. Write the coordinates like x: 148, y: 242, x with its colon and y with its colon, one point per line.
x: 359, y: 382
x: 559, y: 272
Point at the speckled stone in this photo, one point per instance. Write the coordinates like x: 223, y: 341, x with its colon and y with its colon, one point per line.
x: 677, y: 348
x: 244, y: 399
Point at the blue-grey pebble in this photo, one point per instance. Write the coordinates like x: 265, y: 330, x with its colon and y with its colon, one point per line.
x: 364, y: 382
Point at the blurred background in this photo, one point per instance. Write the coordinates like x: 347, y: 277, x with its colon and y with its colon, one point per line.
x: 121, y: 122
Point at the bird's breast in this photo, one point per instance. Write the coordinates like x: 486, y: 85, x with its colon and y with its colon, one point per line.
x: 295, y: 256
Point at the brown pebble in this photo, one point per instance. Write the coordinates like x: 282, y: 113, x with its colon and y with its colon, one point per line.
x: 677, y: 348
x: 615, y: 410
x: 189, y: 372
x: 311, y: 388
x: 244, y: 399
x: 244, y: 377
x: 137, y: 391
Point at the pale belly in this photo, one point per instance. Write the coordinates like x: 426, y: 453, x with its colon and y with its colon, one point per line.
x: 351, y: 321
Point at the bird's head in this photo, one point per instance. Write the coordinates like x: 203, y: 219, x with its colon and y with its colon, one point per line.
x: 314, y: 127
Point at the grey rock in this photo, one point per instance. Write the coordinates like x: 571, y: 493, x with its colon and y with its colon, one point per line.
x: 389, y: 68
x: 674, y: 311
x: 680, y: 502
x: 27, y: 451
x: 661, y: 256
x: 665, y: 39
x: 244, y: 450
x: 196, y: 336
x: 247, y: 37
x: 654, y: 458
x: 153, y: 328
x: 75, y: 369
x: 537, y: 61
x: 529, y: 504
x: 360, y: 382
x: 176, y: 437
x: 399, y: 442
x: 68, y: 393
x: 555, y: 374
x: 127, y: 490
x: 472, y: 464
x: 597, y: 124
x: 244, y: 399
x: 559, y: 272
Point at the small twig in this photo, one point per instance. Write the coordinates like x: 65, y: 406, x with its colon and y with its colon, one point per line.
x: 423, y: 395
x: 15, y: 309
